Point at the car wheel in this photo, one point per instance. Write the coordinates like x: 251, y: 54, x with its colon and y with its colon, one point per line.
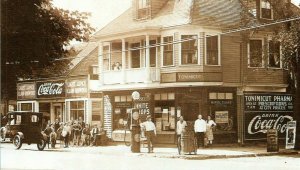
x: 41, y: 144
x: 17, y: 141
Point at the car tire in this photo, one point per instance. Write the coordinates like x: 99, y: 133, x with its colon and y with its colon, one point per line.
x: 17, y: 141
x: 41, y: 144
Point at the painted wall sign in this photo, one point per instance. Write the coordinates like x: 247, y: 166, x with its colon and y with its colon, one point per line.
x: 50, y: 89
x: 190, y: 77
x: 77, y: 88
x: 26, y: 91
x: 267, y: 111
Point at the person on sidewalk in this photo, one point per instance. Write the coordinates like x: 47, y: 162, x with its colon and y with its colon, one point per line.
x: 209, y: 130
x: 200, y: 129
x: 66, y: 133
x: 150, y: 132
x: 181, y: 124
x: 94, y: 133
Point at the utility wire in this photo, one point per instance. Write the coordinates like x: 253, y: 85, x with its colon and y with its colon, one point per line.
x: 196, y: 38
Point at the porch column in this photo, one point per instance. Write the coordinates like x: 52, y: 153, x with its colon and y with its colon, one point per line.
x: 100, y: 63
x: 123, y: 62
x: 148, y: 77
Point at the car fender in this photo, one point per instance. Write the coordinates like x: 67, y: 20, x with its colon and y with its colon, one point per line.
x: 20, y: 134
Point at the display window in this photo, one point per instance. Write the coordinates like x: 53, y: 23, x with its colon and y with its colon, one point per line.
x: 165, y: 112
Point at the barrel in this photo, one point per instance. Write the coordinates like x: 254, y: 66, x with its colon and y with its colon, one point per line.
x: 186, y: 146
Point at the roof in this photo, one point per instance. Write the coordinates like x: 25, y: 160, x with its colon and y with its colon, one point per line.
x: 89, y: 47
x: 176, y: 13
x: 220, y: 13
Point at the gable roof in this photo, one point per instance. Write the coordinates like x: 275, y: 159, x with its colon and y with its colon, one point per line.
x: 214, y: 13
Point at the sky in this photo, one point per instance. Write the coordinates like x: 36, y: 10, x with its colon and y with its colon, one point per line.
x: 102, y: 11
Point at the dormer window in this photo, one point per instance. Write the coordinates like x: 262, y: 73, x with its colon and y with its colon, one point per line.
x: 143, y: 9
x: 265, y: 9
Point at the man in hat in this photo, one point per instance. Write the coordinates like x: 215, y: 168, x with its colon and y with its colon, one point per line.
x: 150, y: 132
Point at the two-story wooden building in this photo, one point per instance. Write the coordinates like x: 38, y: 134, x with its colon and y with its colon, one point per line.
x: 67, y: 97
x: 174, y: 53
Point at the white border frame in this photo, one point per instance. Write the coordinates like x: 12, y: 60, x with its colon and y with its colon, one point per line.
x: 280, y: 52
x: 180, y: 52
x: 260, y: 11
x: 162, y: 51
x: 219, y: 49
x: 248, y: 52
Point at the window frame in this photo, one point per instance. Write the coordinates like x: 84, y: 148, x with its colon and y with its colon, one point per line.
x: 219, y: 49
x: 163, y: 51
x: 144, y: 8
x: 261, y: 9
x: 262, y: 54
x: 197, y: 50
x: 280, y: 56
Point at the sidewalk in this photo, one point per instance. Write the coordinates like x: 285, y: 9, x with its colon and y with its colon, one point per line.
x: 215, y: 152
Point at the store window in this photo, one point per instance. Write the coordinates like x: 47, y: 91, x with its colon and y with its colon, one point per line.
x: 135, y: 56
x: 27, y: 106
x: 220, y: 96
x: 122, y: 108
x: 165, y: 112
x: 96, y: 110
x: 77, y: 109
x: 255, y: 53
x: 189, y: 54
x: 212, y: 50
x: 274, y: 54
x: 168, y: 51
x: 266, y: 9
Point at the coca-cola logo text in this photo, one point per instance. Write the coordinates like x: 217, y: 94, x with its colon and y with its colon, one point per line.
x: 261, y: 123
x: 50, y: 89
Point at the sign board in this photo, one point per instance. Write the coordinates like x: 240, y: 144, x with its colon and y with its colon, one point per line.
x: 221, y: 117
x: 266, y: 111
x: 25, y: 91
x: 191, y: 77
x: 50, y: 89
x: 290, y: 135
x: 76, y: 88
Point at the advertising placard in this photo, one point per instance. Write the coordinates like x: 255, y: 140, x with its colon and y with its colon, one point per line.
x: 267, y: 111
x: 50, y: 89
x: 290, y: 135
x: 77, y: 88
x: 221, y: 117
x: 26, y: 91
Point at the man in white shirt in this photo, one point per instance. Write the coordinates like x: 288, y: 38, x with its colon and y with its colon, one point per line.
x: 200, y: 129
x: 150, y: 132
x: 181, y: 124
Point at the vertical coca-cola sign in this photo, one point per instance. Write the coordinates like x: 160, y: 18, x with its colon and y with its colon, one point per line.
x: 266, y: 111
x: 50, y: 89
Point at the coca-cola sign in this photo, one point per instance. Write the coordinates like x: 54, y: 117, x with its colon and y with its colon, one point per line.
x: 266, y: 111
x: 51, y: 89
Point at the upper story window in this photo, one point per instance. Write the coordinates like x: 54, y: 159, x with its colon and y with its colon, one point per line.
x: 274, y: 54
x: 212, y: 50
x: 143, y: 9
x: 255, y: 53
x: 265, y: 9
x: 94, y: 71
x: 189, y: 52
x: 168, y: 51
x: 135, y: 55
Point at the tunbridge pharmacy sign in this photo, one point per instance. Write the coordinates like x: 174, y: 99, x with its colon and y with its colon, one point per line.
x: 266, y: 111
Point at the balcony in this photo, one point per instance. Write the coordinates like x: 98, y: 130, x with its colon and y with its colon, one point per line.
x: 133, y: 75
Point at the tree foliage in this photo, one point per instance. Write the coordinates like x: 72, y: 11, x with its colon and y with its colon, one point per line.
x: 33, y: 35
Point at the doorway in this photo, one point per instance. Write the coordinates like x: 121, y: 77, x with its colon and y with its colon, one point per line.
x: 190, y: 111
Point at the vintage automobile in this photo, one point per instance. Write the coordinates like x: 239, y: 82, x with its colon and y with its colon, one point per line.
x: 26, y: 127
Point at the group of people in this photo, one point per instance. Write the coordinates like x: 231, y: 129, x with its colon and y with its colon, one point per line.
x: 76, y: 132
x: 203, y: 129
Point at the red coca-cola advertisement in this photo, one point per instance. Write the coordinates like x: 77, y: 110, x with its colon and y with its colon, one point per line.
x: 50, y: 89
x: 267, y: 111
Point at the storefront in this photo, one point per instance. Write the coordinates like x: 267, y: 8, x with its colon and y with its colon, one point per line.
x: 166, y: 105
x: 80, y: 103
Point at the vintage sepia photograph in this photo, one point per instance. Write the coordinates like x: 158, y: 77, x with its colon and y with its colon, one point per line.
x: 150, y: 84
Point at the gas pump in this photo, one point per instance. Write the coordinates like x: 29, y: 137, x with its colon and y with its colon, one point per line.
x: 135, y: 131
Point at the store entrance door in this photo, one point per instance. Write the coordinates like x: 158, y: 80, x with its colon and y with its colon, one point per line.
x: 190, y: 111
x: 58, y: 113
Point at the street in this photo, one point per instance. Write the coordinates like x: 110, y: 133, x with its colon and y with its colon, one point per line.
x: 120, y: 158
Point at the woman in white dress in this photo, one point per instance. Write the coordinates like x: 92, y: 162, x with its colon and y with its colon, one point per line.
x: 209, y: 129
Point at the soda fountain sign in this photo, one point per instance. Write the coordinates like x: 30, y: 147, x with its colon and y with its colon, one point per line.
x: 267, y: 111
x: 51, y: 89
